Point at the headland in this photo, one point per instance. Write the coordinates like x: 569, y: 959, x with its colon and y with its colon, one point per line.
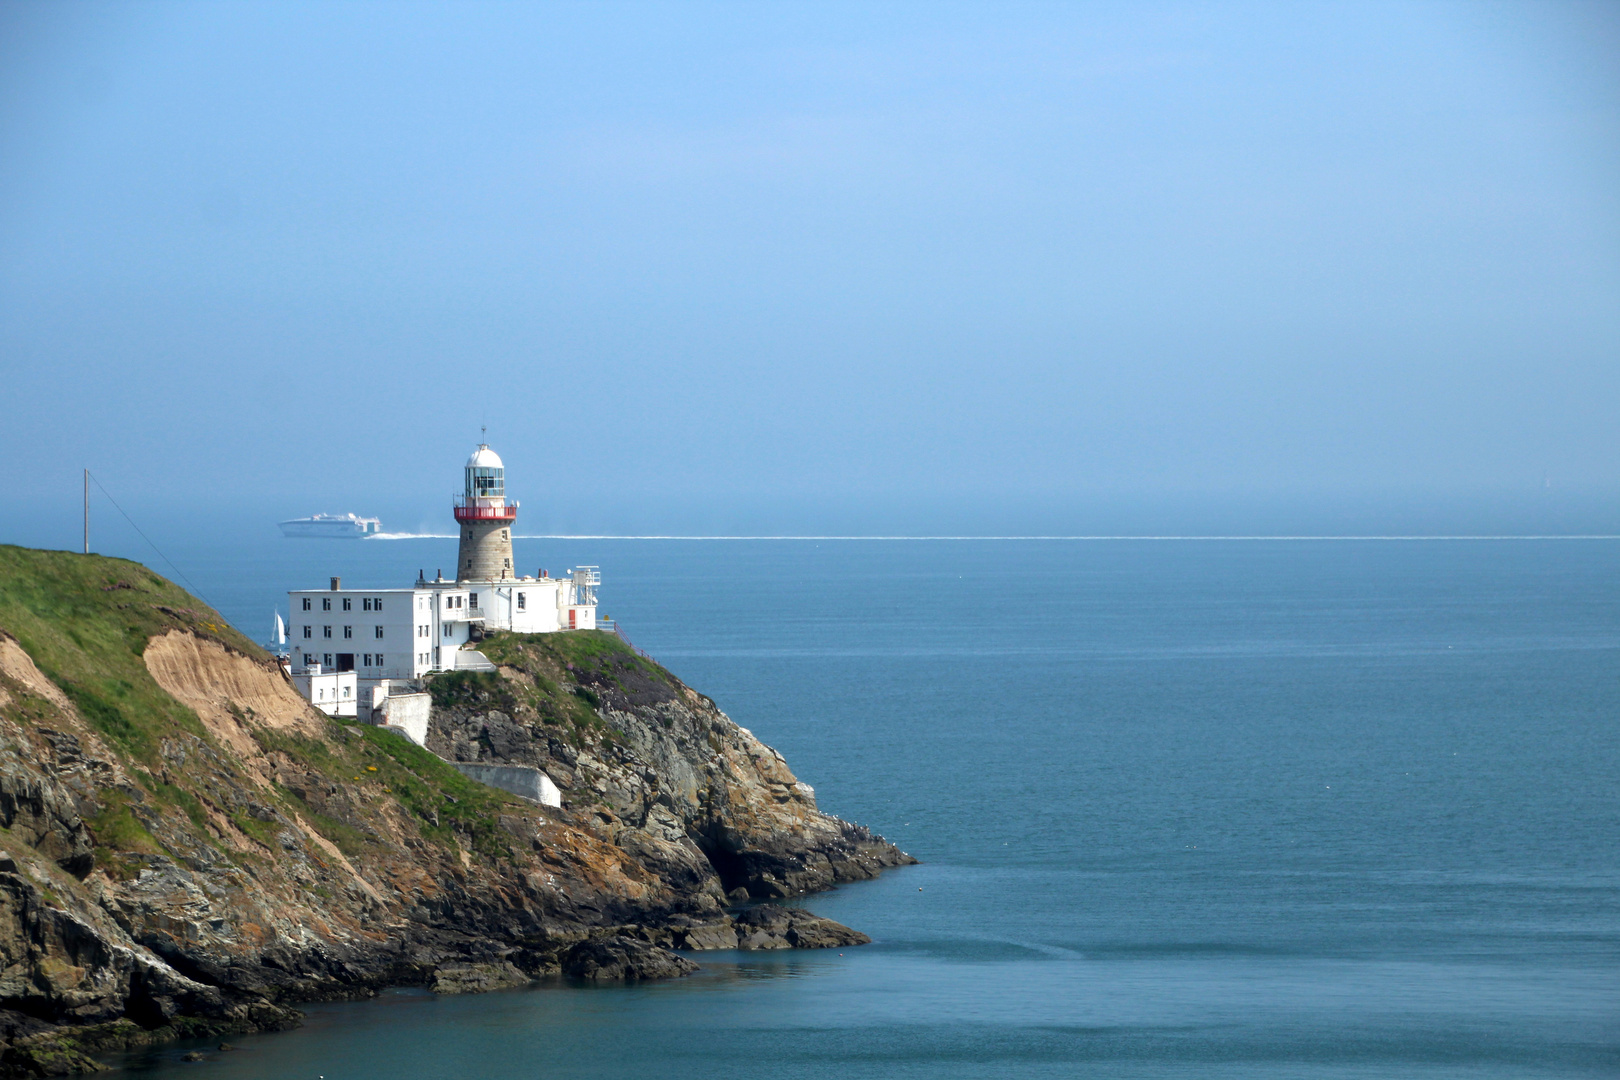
x: 191, y: 848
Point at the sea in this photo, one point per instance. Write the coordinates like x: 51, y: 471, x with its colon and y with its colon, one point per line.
x: 1251, y: 807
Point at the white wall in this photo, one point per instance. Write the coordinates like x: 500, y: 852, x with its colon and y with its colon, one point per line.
x: 335, y: 693
x: 396, y: 645
x: 409, y: 712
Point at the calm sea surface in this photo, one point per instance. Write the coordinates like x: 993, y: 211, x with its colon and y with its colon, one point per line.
x: 1185, y: 809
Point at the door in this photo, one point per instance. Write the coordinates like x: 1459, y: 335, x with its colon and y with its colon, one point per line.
x: 572, y: 618
x: 345, y: 661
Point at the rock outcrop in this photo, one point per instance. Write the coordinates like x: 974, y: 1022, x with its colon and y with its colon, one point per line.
x: 190, y: 849
x: 663, y: 772
x: 770, y: 926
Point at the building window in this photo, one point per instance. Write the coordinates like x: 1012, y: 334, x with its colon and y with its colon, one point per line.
x: 308, y: 659
x: 508, y: 563
x: 348, y: 604
x: 365, y: 605
x: 326, y: 631
x: 448, y: 631
x: 379, y: 659
x: 472, y: 599
x: 320, y: 695
x: 523, y: 601
x: 378, y: 632
x: 376, y: 604
x: 505, y: 535
x: 306, y: 603
x: 345, y: 691
x: 348, y: 631
x: 309, y: 631
x: 326, y: 603
x: 328, y: 659
x: 449, y: 602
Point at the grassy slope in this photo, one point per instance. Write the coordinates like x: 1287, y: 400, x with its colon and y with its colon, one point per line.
x: 567, y: 671
x: 86, y: 620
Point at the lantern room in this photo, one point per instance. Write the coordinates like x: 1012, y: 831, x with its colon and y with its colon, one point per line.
x: 486, y: 476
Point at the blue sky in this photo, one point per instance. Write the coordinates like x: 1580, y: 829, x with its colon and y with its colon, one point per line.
x: 998, y: 267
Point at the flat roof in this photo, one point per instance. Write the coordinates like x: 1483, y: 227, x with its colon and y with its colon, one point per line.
x: 440, y: 586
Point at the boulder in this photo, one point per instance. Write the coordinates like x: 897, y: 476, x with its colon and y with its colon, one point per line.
x: 710, y: 936
x: 476, y: 978
x: 771, y: 926
x: 623, y: 959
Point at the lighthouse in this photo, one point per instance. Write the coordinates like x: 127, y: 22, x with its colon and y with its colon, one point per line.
x: 485, y: 520
x: 368, y: 643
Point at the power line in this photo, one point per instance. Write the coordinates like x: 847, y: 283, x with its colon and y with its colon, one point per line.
x: 177, y: 572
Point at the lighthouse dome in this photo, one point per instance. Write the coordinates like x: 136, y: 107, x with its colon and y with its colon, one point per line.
x: 486, y: 476
x: 484, y: 457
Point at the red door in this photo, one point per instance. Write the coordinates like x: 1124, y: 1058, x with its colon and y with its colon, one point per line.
x: 571, y: 618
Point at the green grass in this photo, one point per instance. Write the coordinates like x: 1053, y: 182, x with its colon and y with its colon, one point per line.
x: 265, y: 832
x: 86, y: 620
x: 558, y: 663
x: 469, y: 688
x: 118, y: 835
x: 444, y: 802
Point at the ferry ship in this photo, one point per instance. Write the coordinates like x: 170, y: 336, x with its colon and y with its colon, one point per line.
x: 331, y: 527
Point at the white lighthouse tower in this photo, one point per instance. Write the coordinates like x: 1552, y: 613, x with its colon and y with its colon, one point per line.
x: 485, y: 519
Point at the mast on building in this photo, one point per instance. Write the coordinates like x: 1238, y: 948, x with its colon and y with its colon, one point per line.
x: 485, y: 519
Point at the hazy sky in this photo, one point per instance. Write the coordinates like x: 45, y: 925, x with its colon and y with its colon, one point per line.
x: 875, y: 266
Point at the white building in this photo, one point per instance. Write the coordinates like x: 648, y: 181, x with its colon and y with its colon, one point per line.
x: 335, y: 693
x: 380, y: 634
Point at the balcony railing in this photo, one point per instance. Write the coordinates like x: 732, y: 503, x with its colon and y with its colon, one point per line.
x: 468, y: 510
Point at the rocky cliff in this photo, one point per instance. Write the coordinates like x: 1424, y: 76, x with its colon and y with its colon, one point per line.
x: 189, y: 848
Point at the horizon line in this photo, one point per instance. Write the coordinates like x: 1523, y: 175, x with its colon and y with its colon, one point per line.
x: 1292, y: 537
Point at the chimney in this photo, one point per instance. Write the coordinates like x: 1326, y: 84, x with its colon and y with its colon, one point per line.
x: 336, y: 584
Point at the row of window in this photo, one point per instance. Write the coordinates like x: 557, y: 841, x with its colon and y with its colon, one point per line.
x: 367, y: 603
x: 370, y: 603
x: 367, y: 660
x: 348, y: 631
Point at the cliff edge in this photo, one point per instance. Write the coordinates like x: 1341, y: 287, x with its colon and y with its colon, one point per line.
x: 189, y: 847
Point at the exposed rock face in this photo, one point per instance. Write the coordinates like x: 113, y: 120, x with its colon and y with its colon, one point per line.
x: 190, y: 847
x: 476, y: 978
x: 624, y: 958
x: 666, y: 775
x: 769, y: 926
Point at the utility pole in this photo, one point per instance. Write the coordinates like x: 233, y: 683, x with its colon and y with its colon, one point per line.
x: 87, y: 511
